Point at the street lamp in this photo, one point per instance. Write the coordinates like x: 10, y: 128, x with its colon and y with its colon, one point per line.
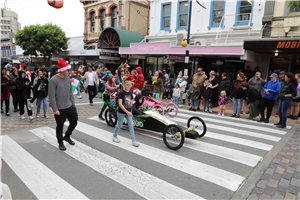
x: 186, y: 42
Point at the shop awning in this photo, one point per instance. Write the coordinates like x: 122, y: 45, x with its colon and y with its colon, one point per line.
x: 113, y: 38
x: 273, y: 45
x: 5, y: 60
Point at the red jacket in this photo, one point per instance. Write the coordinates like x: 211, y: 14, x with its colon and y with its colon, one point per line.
x: 5, y: 92
x: 140, y: 79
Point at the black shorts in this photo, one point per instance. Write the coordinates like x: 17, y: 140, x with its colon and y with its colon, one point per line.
x: 296, y: 100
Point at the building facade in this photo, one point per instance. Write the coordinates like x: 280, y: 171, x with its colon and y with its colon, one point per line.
x: 217, y: 35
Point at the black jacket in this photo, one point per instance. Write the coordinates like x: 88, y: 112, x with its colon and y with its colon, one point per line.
x: 33, y: 76
x: 207, y: 93
x: 41, y: 88
x: 236, y: 90
x: 253, y: 94
x: 287, y: 88
x: 225, y: 85
x: 23, y: 90
x: 149, y: 79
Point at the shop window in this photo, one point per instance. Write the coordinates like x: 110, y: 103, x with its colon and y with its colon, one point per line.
x: 165, y: 23
x: 114, y: 17
x: 102, y: 20
x: 182, y: 14
x: 92, y: 22
x: 244, y: 11
x: 216, y: 12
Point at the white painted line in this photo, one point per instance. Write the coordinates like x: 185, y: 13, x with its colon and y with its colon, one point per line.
x: 40, y: 180
x: 209, y: 173
x: 81, y: 104
x: 243, y: 125
x: 216, y: 150
x: 134, y: 179
x: 234, y: 130
x: 202, y: 114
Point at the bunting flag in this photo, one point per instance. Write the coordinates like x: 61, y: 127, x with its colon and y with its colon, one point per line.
x: 21, y: 68
x: 74, y: 85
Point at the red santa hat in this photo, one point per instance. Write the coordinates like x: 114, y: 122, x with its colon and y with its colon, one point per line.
x: 63, y: 65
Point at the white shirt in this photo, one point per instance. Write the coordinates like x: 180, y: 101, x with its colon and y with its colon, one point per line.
x: 91, y: 79
x: 166, y: 76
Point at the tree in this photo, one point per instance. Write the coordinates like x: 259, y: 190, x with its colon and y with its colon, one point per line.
x: 41, y: 40
x: 293, y: 4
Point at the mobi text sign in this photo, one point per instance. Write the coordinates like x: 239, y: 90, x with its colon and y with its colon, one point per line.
x: 288, y: 44
x: 272, y: 45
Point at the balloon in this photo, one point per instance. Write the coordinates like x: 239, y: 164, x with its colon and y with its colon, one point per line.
x: 56, y: 4
x: 298, y: 88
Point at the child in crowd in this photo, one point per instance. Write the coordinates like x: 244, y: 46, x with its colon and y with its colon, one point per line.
x: 223, y: 100
x: 154, y: 78
x: 195, y: 93
x: 176, y: 94
x: 125, y: 102
x: 179, y: 80
x: 207, y: 94
x: 139, y: 105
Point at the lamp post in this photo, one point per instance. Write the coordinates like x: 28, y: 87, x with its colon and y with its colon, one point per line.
x: 187, y: 42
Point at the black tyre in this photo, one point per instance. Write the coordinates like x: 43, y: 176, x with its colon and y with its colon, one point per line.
x: 173, y: 137
x: 199, y: 125
x: 111, y: 117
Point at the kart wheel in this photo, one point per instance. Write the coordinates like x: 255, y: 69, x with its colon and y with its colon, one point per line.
x: 173, y: 137
x: 199, y: 125
x: 159, y: 109
x: 111, y: 117
x: 172, y: 110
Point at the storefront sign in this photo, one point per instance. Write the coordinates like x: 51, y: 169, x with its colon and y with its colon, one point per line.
x: 288, y: 44
x: 272, y: 45
x: 108, y: 58
x: 102, y: 53
x: 176, y: 57
x: 165, y: 48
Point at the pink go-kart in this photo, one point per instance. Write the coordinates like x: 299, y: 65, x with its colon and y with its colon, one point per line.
x: 171, y: 109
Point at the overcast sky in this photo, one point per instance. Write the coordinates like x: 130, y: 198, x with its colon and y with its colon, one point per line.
x: 70, y: 17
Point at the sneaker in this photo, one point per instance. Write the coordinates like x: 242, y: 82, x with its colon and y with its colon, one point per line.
x: 198, y: 108
x: 237, y: 116
x: 16, y: 110
x: 30, y: 117
x: 294, y: 117
x: 266, y: 121
x: 190, y: 108
x: 223, y: 115
x: 289, y: 116
x: 37, y: 115
x: 100, y: 117
x: 116, y: 140
x: 180, y: 105
x: 79, y: 97
x: 46, y: 116
x: 261, y: 120
x: 7, y: 114
x: 62, y: 147
x: 23, y: 117
x: 210, y: 110
x: 194, y: 110
x: 233, y: 115
x: 68, y: 139
x: 276, y: 124
x: 135, y: 143
x: 96, y: 96
x: 219, y: 114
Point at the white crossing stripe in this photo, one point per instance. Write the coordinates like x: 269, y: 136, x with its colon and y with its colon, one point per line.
x: 134, y: 179
x: 43, y: 182
x: 201, y: 114
x: 216, y: 150
x: 243, y: 125
x: 234, y: 130
x: 209, y: 173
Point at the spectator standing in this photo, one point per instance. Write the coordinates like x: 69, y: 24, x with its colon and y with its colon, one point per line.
x: 158, y: 87
x: 61, y: 100
x: 254, y: 97
x: 296, y: 102
x: 5, y: 91
x: 225, y: 84
x: 214, y: 81
x: 247, y: 72
x: 169, y: 89
x: 182, y: 86
x: 47, y: 74
x: 23, y: 86
x: 126, y: 70
x: 272, y: 89
x: 149, y: 77
x: 40, y: 86
x: 199, y: 80
x: 207, y: 94
x: 140, y: 79
x: 176, y: 93
x: 257, y: 82
x: 223, y: 101
x: 13, y: 88
x: 281, y: 81
x: 119, y: 77
x: 237, y: 94
x: 286, y: 94
x: 91, y: 83
x: 195, y: 95
x: 55, y: 71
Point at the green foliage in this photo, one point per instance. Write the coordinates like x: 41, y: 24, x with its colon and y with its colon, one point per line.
x: 293, y: 4
x: 42, y: 40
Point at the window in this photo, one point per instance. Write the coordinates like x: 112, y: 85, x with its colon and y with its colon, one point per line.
x: 5, y: 32
x: 4, y: 21
x: 102, y: 20
x: 165, y: 17
x: 216, y: 13
x: 244, y: 12
x: 4, y: 50
x: 182, y: 14
x: 8, y: 22
x: 8, y: 27
x: 8, y: 51
x: 2, y: 32
x: 114, y: 17
x: 92, y: 22
x: 4, y: 27
x: 1, y: 21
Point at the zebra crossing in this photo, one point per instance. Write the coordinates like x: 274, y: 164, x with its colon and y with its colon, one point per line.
x: 212, y: 167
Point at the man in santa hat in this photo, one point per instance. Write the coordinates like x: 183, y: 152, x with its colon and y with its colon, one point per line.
x: 61, y: 100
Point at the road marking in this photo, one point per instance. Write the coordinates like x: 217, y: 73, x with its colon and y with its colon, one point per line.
x: 201, y: 114
x: 81, y: 104
x: 235, y: 131
x: 228, y: 123
x: 43, y: 182
x: 134, y: 179
x: 216, y: 150
x: 209, y: 173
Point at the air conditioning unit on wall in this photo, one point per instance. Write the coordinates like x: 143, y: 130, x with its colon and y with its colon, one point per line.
x: 200, y: 42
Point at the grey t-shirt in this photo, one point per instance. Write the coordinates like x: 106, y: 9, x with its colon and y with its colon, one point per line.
x: 60, y: 93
